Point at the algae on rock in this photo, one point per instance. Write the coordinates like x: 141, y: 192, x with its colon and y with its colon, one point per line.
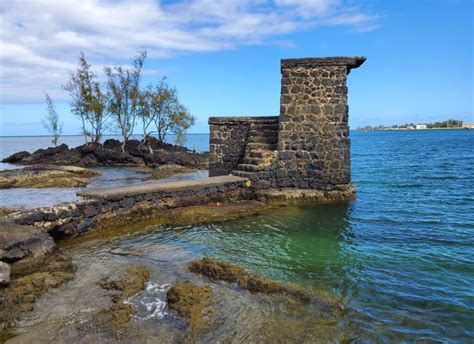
x: 190, y: 301
x: 235, y: 274
x: 114, y: 320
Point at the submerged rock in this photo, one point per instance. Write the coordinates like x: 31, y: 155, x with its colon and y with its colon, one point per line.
x: 114, y: 319
x: 19, y: 296
x: 127, y: 284
x: 235, y: 274
x: 190, y: 300
x: 46, y: 176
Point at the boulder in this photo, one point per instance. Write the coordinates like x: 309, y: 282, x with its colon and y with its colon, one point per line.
x: 17, y: 157
x: 20, y: 242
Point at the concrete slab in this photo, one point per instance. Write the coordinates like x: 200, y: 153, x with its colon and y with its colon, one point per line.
x: 138, y: 189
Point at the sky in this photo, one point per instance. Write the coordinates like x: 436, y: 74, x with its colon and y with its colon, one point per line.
x: 224, y: 56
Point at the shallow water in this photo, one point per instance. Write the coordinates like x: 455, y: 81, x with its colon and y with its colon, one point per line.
x: 400, y: 257
x: 29, y: 198
x: 111, y: 176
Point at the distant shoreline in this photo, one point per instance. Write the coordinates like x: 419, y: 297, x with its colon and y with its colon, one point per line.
x: 407, y: 129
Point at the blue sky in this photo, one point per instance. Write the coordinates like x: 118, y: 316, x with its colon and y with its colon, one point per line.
x: 224, y: 56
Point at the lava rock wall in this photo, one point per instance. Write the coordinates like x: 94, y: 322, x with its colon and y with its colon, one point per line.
x: 228, y: 141
x: 313, y: 140
x: 313, y: 135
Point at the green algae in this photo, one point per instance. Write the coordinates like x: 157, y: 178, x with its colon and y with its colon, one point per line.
x: 112, y: 227
x: 114, y: 320
x: 191, y: 301
x: 20, y: 295
x: 233, y: 273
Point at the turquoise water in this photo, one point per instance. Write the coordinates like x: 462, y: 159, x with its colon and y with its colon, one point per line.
x: 401, y: 256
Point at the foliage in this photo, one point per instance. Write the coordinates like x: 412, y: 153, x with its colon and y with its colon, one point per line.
x: 159, y: 104
x: 88, y: 100
x: 125, y: 103
x: 51, y: 121
x: 123, y: 92
x: 450, y: 123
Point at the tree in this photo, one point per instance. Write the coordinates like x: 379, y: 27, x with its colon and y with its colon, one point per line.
x: 51, y: 121
x: 169, y: 115
x: 123, y: 93
x: 88, y: 100
x: 159, y: 104
x: 182, y: 120
x: 145, y: 112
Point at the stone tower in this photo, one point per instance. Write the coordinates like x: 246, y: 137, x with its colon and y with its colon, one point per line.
x: 313, y: 138
x: 307, y: 146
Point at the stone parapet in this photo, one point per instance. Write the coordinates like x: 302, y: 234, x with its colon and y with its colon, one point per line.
x: 311, y: 62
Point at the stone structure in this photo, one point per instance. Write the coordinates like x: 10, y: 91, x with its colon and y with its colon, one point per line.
x: 307, y: 146
x: 101, y: 207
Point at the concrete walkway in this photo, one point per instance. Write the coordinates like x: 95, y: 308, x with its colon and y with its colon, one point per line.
x: 145, y: 188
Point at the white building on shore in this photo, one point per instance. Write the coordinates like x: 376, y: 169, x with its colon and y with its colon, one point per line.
x: 421, y: 126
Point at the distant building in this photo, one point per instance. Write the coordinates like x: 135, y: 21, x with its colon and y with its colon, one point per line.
x: 468, y: 125
x: 421, y: 126
x: 410, y: 127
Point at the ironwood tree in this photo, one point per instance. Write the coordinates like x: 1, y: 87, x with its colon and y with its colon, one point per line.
x: 89, y: 102
x: 51, y: 120
x: 123, y: 93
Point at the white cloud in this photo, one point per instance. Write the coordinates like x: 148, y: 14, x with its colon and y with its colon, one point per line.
x: 41, y: 40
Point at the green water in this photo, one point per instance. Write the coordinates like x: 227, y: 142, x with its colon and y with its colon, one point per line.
x: 401, y: 257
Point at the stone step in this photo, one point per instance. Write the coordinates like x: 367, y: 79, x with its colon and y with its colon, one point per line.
x: 244, y: 174
x: 261, y: 146
x: 263, y: 139
x: 248, y: 168
x: 253, y: 161
x: 258, y: 153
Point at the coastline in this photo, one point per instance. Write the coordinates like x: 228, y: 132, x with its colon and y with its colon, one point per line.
x: 405, y: 129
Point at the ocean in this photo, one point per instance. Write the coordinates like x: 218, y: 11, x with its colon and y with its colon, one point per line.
x: 401, y: 256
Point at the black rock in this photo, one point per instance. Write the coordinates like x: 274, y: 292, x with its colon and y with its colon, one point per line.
x: 17, y: 157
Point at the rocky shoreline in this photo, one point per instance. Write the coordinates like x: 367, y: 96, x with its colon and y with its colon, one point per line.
x: 154, y: 154
x: 46, y: 176
x: 31, y: 262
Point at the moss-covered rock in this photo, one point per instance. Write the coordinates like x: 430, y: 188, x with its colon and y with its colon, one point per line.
x: 46, y: 176
x: 23, y: 290
x: 127, y: 284
x: 115, y: 319
x: 190, y: 301
x: 235, y: 274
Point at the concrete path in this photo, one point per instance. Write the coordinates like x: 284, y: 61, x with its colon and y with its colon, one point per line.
x: 138, y: 189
